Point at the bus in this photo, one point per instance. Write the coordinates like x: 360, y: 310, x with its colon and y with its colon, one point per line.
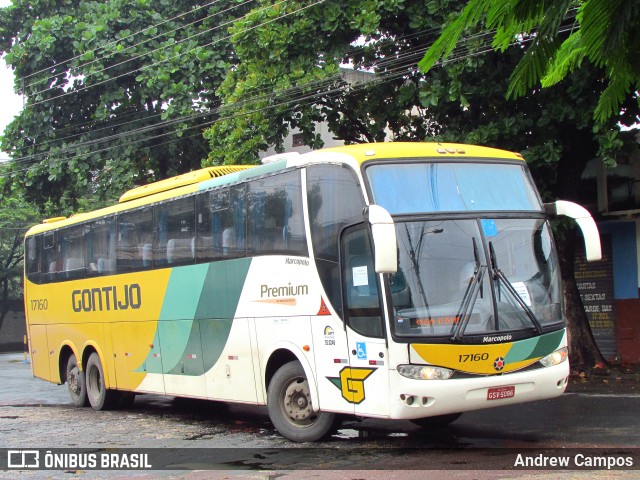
x: 398, y: 280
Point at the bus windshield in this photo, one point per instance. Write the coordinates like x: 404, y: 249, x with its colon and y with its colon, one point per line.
x: 474, y: 277
x: 450, y: 187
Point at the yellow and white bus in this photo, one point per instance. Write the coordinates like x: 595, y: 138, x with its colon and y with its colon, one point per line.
x: 394, y: 280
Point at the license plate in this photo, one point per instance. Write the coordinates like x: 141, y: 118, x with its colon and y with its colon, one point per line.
x: 498, y: 393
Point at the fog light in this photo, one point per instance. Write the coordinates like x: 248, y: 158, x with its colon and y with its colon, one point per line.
x: 555, y: 358
x: 424, y: 372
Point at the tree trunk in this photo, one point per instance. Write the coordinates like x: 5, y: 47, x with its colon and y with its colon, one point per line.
x: 4, y: 301
x: 578, y: 147
x: 583, y: 350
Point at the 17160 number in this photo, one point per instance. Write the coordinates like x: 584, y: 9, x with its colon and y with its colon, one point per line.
x: 39, y: 304
x: 473, y: 357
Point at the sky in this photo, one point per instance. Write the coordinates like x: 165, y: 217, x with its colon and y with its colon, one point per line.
x: 11, y: 104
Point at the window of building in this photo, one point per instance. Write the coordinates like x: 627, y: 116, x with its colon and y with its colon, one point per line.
x: 297, y: 140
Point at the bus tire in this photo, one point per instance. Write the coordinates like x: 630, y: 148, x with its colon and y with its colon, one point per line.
x: 438, y: 421
x: 289, y: 406
x: 76, y: 383
x: 99, y: 397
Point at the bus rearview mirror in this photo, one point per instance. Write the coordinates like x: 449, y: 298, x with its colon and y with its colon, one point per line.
x: 584, y: 220
x: 385, y: 245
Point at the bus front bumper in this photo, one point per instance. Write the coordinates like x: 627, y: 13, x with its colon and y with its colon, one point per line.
x: 426, y: 398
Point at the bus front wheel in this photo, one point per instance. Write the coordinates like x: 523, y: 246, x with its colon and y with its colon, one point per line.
x: 290, y: 409
x: 76, y: 383
x: 99, y: 397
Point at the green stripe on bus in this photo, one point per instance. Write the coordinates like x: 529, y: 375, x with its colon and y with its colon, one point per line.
x: 536, y: 347
x: 178, y: 310
x: 194, y: 325
x: 231, y: 274
x: 216, y: 313
x: 547, y: 344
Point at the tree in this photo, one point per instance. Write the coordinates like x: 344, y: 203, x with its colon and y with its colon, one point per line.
x: 117, y: 92
x: 289, y: 77
x: 602, y: 32
x: 554, y: 130
x: 15, y: 218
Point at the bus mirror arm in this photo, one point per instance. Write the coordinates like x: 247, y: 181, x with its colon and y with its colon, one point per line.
x: 584, y: 220
x: 385, y: 245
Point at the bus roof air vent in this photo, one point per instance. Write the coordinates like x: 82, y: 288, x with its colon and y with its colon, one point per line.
x: 190, y: 178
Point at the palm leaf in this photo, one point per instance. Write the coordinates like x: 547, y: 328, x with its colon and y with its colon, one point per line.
x: 596, y: 23
x: 611, y: 98
x: 532, y: 67
x: 442, y: 48
x: 566, y: 59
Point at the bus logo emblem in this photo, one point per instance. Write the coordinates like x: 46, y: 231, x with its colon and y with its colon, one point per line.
x: 351, y: 383
x: 498, y: 364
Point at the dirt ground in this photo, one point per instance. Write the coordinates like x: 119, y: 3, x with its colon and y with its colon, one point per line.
x: 609, y: 379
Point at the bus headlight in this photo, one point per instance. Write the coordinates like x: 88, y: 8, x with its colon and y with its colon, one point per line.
x: 555, y: 358
x: 424, y: 372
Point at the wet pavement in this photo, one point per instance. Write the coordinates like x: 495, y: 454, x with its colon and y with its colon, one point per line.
x: 596, y: 413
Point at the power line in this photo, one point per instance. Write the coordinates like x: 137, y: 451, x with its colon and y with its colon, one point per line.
x: 110, y: 126
x: 148, y: 52
x: 399, y: 72
x: 410, y: 53
x: 246, y: 30
x: 187, y: 118
x: 147, y: 67
x: 114, y: 42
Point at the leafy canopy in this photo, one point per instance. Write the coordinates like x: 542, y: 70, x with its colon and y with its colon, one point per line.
x: 291, y: 74
x: 117, y: 92
x: 561, y: 35
x: 15, y: 218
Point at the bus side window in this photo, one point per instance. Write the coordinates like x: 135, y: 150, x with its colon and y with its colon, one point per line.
x: 335, y: 200
x: 234, y: 233
x: 135, y: 237
x: 72, y: 245
x: 101, y: 247
x: 51, y: 257
x: 33, y: 258
x: 174, y: 241
x: 207, y: 228
x: 276, y: 223
x: 221, y: 224
x: 361, y: 289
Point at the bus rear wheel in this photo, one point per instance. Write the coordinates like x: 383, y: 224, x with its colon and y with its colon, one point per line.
x: 76, y: 383
x: 290, y: 409
x: 99, y: 397
x: 438, y: 421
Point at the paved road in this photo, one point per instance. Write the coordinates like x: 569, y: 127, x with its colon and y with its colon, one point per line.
x: 36, y: 414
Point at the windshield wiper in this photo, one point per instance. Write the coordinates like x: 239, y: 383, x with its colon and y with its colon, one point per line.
x: 469, y: 298
x: 499, y: 276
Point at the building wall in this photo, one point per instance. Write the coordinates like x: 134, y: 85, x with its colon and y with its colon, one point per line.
x: 626, y: 279
x: 13, y: 330
x: 290, y: 144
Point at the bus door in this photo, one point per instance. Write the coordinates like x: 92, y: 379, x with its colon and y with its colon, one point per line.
x: 365, y: 383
